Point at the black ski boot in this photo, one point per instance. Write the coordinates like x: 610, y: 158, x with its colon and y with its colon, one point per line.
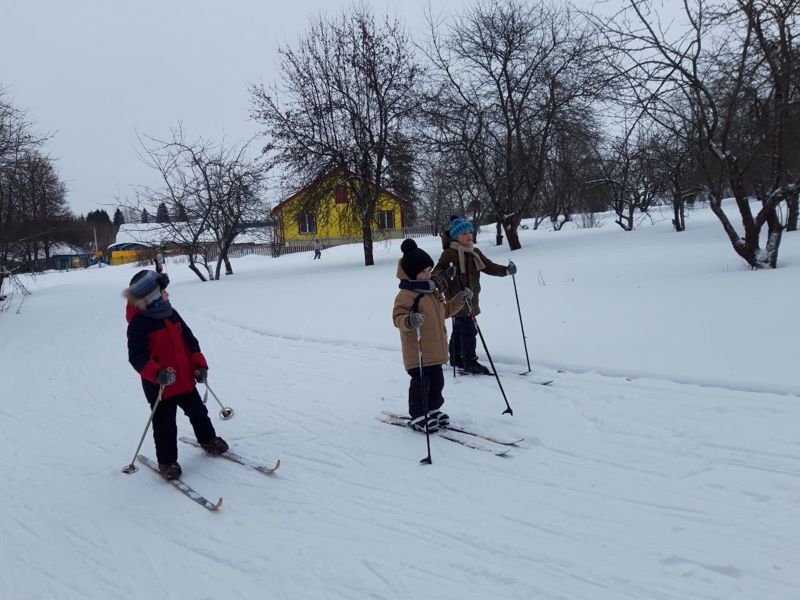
x: 216, y: 446
x: 170, y: 471
x: 419, y: 423
x: 443, y: 418
x: 473, y: 367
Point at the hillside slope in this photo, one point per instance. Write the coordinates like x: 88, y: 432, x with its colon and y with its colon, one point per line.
x: 662, y: 464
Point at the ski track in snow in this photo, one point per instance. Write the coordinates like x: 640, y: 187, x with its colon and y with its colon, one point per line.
x: 622, y: 489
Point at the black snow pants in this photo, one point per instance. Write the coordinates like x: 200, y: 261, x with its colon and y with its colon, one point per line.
x: 434, y: 384
x: 165, y: 430
x: 463, y: 341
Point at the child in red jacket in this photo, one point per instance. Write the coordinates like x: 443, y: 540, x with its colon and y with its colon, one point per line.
x: 165, y: 353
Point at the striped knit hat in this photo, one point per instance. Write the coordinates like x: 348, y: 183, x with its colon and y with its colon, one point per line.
x: 145, y: 288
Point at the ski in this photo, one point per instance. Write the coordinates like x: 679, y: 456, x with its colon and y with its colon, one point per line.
x: 482, y: 436
x: 464, y: 372
x: 177, y: 483
x: 232, y: 456
x: 404, y: 423
x: 541, y: 382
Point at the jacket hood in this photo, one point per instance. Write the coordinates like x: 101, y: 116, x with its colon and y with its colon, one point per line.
x: 130, y: 312
x: 446, y: 239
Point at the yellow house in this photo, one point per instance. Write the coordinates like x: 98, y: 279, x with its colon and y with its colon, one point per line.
x: 300, y: 220
x: 124, y: 253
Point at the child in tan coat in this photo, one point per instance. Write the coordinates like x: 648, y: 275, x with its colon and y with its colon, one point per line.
x: 421, y: 306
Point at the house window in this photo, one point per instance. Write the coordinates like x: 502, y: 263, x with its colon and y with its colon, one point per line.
x: 385, y: 219
x: 308, y: 223
x: 341, y: 195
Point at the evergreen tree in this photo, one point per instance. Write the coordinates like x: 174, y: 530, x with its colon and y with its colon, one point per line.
x: 98, y: 217
x: 182, y: 216
x: 119, y: 218
x: 145, y: 216
x: 162, y: 216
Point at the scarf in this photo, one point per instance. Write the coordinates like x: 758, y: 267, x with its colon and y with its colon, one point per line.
x: 421, y: 287
x: 464, y: 249
x: 160, y: 309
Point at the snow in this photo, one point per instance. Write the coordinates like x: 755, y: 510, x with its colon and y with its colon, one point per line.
x: 662, y: 464
x: 64, y: 249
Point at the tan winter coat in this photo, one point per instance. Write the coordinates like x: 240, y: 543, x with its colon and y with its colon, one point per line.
x: 472, y: 277
x: 432, y: 332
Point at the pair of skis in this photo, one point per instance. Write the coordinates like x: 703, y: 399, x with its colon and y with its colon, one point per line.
x: 534, y: 379
x: 399, y: 420
x: 190, y: 492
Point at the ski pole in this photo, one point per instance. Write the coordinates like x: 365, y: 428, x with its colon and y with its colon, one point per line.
x: 427, y: 460
x: 521, y: 326
x: 455, y: 354
x: 488, y: 355
x: 451, y: 273
x: 131, y: 468
x: 226, y: 412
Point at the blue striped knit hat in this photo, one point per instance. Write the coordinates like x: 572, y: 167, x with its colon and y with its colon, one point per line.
x: 145, y: 287
x: 459, y: 226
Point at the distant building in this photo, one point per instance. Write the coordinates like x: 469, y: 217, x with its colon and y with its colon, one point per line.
x: 67, y: 256
x: 137, y: 242
x: 140, y: 242
x: 331, y: 218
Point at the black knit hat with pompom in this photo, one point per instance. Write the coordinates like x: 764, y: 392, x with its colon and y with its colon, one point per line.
x: 415, y: 260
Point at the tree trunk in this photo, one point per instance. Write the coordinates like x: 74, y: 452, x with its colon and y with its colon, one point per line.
x: 511, y: 226
x: 625, y: 218
x: 679, y: 220
x: 774, y: 236
x: 499, y: 235
x: 366, y: 234
x: 794, y: 208
x: 196, y: 271
x: 748, y: 247
x: 191, y: 252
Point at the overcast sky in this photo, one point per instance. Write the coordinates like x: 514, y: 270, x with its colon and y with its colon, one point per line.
x: 94, y: 72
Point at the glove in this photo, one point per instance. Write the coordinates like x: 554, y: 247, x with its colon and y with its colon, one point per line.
x: 166, y: 376
x: 416, y: 319
x: 450, y: 271
x: 466, y: 294
x: 511, y: 269
x: 200, y: 375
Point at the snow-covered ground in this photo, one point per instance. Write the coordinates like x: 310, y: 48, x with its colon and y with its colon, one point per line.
x: 662, y: 463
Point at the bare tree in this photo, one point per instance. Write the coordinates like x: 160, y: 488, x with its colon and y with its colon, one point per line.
x: 628, y: 176
x: 507, y: 72
x: 347, y: 95
x: 15, y: 142
x: 569, y: 170
x: 705, y: 85
x: 213, y: 190
x: 447, y: 187
x: 676, y: 166
x: 234, y: 185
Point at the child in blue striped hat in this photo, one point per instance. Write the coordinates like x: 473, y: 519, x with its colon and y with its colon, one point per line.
x: 468, y: 262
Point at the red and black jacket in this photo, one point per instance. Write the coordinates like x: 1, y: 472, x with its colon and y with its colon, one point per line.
x: 158, y: 343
